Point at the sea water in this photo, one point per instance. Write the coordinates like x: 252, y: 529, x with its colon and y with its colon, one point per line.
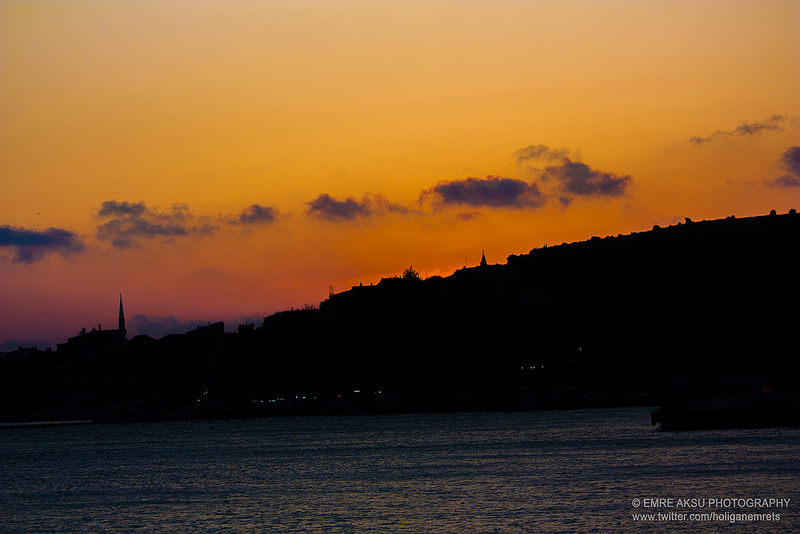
x: 563, y: 471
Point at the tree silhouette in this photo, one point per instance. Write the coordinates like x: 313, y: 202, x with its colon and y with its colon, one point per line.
x: 411, y: 274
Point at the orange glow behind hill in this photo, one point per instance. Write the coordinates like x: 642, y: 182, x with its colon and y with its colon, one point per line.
x: 218, y: 161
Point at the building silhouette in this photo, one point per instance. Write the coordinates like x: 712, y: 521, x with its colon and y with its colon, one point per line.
x: 122, y: 331
x: 97, y: 341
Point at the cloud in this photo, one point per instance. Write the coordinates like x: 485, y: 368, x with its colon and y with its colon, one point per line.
x: 747, y: 129
x: 785, y: 181
x: 131, y: 222
x: 492, y: 191
x: 31, y: 245
x: 790, y: 162
x: 540, y: 152
x: 328, y: 208
x: 578, y: 179
x: 112, y: 208
x: 469, y: 216
x: 256, y: 214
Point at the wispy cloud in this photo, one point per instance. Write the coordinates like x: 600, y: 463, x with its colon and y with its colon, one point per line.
x: 746, y: 129
x: 112, y: 208
x: 469, y: 216
x: 540, y: 152
x: 131, y: 222
x: 790, y: 162
x: 328, y: 208
x: 578, y: 179
x: 489, y: 192
x: 31, y: 245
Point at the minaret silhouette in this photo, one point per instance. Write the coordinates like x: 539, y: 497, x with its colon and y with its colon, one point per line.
x: 122, y: 330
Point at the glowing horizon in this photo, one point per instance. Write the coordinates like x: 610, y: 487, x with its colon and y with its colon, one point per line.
x: 219, y: 162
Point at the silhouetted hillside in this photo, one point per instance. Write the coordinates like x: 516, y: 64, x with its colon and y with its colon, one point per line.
x: 698, y: 307
x: 634, y: 310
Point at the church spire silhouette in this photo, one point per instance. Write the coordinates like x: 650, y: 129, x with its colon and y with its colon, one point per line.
x: 122, y: 331
x: 483, y: 258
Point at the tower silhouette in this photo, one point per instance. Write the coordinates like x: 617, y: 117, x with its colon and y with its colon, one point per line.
x: 122, y: 331
x: 483, y: 259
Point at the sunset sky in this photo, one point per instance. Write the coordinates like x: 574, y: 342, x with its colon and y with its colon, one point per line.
x: 226, y: 160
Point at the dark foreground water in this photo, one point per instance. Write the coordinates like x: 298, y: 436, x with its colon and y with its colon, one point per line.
x: 571, y: 471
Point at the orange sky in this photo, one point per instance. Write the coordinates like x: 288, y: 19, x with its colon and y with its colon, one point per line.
x: 214, y: 161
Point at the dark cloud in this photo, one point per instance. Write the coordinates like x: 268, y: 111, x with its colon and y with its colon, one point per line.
x: 540, y: 152
x: 790, y: 162
x: 572, y: 178
x: 31, y: 245
x: 492, y: 191
x: 256, y: 214
x: 746, y: 129
x: 328, y: 208
x: 131, y: 222
x: 112, y: 208
x: 578, y: 179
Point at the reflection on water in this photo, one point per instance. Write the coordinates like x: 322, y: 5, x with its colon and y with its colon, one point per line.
x: 572, y: 471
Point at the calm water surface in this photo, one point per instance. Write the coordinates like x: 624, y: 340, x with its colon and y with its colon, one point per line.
x: 572, y: 471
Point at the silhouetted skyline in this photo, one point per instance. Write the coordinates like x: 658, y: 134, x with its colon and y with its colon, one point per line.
x: 700, y: 308
x: 217, y: 160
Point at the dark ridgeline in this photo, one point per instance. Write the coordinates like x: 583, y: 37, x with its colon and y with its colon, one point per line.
x: 699, y: 308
